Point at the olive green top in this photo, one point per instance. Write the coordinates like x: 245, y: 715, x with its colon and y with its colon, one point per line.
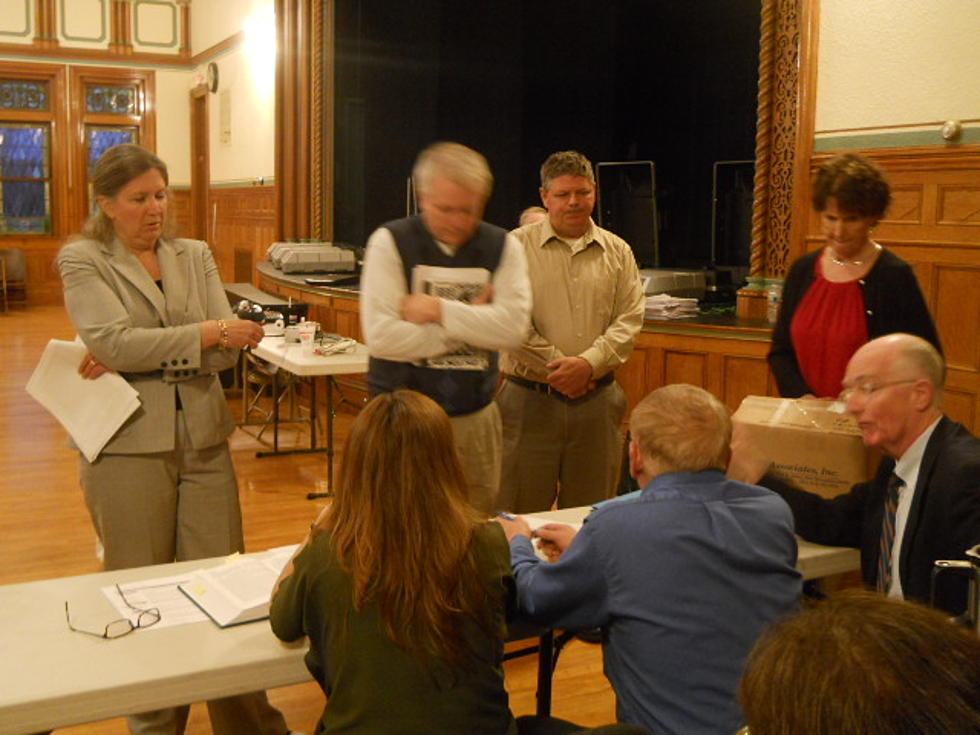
x: 373, y: 685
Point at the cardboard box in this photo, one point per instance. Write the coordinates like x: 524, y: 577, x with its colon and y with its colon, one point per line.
x: 812, y: 442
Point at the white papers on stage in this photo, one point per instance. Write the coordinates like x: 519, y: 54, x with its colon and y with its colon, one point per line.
x: 662, y: 306
x: 455, y: 284
x: 90, y: 410
x: 239, y: 591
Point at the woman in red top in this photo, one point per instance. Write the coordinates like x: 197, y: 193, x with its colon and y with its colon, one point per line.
x: 837, y: 298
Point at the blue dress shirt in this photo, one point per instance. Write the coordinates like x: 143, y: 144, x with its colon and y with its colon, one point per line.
x: 682, y: 577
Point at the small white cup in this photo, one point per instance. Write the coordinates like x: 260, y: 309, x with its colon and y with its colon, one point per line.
x: 307, y: 336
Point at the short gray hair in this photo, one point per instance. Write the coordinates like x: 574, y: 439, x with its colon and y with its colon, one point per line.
x: 454, y: 161
x: 565, y: 163
x: 921, y: 357
x: 683, y: 427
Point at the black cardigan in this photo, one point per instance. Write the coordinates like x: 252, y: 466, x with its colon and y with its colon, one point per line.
x: 893, y: 302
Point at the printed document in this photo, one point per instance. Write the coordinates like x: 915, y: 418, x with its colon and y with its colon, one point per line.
x: 456, y: 284
x: 90, y: 410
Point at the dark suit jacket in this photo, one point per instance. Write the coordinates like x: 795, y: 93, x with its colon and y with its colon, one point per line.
x: 943, y: 522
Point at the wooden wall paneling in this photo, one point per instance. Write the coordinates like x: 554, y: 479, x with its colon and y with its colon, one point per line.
x: 685, y: 366
x: 633, y: 376
x: 180, y: 212
x: 743, y: 376
x: 243, y: 219
x: 347, y: 317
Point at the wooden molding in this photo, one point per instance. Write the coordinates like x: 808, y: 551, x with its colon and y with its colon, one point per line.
x: 121, y: 39
x: 86, y: 55
x: 233, y: 41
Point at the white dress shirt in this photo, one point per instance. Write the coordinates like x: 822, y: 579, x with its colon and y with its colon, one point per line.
x: 907, y: 468
x: 499, y: 325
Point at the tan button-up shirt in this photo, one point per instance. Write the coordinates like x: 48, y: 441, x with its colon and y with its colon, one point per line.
x: 587, y: 301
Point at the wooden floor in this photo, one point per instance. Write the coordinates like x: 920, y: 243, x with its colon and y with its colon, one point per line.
x: 45, y: 530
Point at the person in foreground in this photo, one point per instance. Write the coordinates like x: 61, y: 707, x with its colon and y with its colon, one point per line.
x: 837, y: 298
x: 437, y: 337
x: 151, y: 307
x: 861, y: 664
x: 402, y: 586
x: 682, y: 577
x: 923, y: 503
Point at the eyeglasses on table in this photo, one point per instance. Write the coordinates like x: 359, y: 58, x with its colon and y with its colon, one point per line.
x: 122, y: 626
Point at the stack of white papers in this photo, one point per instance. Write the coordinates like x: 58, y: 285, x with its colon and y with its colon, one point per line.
x: 90, y: 410
x: 662, y: 306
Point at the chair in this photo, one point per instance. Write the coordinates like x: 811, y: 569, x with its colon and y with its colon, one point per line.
x: 13, y: 276
x: 257, y: 379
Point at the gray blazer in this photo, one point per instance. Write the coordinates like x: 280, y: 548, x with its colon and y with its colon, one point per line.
x: 151, y: 337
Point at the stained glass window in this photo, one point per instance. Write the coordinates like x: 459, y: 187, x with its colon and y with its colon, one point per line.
x: 99, y: 139
x: 25, y: 166
x: 110, y: 99
x: 19, y: 94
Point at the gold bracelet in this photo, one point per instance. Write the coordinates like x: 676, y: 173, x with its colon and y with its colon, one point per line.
x: 223, y: 342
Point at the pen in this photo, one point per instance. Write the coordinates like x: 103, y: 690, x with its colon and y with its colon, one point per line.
x: 506, y: 516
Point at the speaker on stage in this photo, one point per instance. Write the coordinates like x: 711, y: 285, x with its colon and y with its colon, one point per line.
x: 628, y: 207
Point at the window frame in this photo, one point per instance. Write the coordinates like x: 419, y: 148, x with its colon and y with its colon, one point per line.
x: 55, y: 117
x: 144, y: 120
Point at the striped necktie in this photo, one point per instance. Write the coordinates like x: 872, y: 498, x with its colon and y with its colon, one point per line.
x: 888, y: 533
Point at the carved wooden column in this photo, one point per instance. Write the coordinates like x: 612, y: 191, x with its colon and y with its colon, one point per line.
x: 47, y: 35
x: 775, y: 136
x: 294, y: 95
x: 775, y: 152
x: 121, y: 24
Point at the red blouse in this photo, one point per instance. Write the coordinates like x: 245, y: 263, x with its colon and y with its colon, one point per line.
x: 828, y: 327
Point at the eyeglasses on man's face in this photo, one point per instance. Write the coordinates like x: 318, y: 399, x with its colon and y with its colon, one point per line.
x: 122, y: 626
x: 868, y: 387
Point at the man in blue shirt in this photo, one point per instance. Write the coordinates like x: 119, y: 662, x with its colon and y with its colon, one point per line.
x: 682, y: 577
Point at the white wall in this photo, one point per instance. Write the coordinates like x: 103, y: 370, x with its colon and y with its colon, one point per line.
x: 246, y: 88
x: 173, y: 88
x: 885, y: 63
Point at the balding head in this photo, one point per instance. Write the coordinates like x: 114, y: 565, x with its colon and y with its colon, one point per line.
x: 893, y: 387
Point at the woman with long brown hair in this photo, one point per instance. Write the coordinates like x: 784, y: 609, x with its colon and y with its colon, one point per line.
x: 402, y: 586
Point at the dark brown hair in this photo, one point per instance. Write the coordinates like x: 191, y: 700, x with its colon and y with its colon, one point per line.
x: 859, y: 663
x: 115, y: 168
x: 402, y: 526
x: 858, y: 185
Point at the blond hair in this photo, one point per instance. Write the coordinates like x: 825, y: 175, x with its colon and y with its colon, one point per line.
x: 454, y: 161
x: 683, y: 427
x: 402, y: 527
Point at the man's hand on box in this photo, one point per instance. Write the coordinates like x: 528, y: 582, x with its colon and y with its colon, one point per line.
x: 747, y: 463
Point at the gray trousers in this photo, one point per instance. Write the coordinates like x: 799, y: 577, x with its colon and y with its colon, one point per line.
x: 161, y: 507
x: 555, y: 450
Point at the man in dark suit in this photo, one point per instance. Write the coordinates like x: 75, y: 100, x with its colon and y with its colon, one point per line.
x: 923, y: 503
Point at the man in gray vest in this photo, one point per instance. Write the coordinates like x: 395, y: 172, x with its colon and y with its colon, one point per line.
x: 441, y: 292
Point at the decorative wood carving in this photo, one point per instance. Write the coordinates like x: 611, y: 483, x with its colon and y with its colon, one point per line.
x: 776, y: 136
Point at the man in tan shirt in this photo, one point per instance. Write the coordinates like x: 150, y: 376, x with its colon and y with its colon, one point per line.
x: 562, y: 411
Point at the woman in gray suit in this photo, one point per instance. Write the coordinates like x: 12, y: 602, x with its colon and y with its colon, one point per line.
x: 152, y: 308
